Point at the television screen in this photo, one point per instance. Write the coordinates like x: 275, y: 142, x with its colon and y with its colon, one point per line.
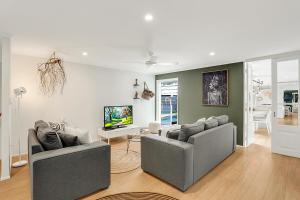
x: 116, y: 116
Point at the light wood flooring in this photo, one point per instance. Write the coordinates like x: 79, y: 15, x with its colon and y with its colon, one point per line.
x: 249, y: 173
x: 289, y: 120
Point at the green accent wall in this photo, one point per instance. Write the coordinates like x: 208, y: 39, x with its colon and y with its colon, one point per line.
x: 190, y: 106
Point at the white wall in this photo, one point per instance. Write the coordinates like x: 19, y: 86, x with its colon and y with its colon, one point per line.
x: 5, y: 108
x: 88, y: 89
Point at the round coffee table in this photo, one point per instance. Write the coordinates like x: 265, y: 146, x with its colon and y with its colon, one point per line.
x: 137, y: 138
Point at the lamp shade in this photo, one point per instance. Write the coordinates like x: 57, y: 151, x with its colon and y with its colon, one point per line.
x: 20, y: 91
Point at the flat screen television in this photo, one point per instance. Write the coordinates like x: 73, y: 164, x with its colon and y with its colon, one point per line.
x: 117, y: 116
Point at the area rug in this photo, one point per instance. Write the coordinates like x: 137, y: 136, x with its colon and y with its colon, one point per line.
x: 138, y: 196
x: 122, y: 162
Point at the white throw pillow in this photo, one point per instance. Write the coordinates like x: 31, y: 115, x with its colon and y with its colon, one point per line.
x: 83, y: 135
x: 201, y: 120
x: 212, y: 117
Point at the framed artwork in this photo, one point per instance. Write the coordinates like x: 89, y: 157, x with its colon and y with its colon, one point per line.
x: 215, y: 88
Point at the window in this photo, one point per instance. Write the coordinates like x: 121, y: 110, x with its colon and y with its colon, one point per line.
x: 167, y: 101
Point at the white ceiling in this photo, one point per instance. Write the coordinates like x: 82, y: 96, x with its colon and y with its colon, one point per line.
x: 114, y: 33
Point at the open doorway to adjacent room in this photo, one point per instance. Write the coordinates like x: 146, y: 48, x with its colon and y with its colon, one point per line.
x: 167, y: 101
x: 271, y: 103
x: 259, y: 96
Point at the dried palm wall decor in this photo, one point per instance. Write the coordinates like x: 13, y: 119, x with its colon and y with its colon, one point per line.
x: 52, y: 75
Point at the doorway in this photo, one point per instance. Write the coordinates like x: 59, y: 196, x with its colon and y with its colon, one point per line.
x: 272, y: 103
x: 259, y: 96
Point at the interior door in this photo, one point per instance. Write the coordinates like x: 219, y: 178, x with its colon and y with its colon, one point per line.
x: 285, y: 123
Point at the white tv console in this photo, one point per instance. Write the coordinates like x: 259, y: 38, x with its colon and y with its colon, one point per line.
x: 118, y: 132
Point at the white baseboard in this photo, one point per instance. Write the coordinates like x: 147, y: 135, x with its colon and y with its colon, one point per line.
x: 5, y: 178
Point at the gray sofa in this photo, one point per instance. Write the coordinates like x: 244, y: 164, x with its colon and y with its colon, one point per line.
x: 183, y: 163
x: 67, y: 173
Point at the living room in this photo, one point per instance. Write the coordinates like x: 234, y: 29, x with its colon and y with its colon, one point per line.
x: 160, y: 109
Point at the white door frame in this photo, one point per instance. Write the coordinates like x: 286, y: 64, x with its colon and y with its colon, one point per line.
x: 245, y: 115
x: 5, y: 132
x: 248, y: 106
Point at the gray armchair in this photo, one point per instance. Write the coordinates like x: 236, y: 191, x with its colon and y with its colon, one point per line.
x: 67, y: 173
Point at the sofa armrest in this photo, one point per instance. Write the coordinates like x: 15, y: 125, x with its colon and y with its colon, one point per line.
x: 71, y: 172
x: 168, y: 159
x: 33, y: 144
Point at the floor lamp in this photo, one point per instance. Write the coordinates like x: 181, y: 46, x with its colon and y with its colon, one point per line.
x: 19, y: 92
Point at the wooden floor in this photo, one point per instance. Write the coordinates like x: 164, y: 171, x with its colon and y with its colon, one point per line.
x: 262, y: 138
x: 250, y: 173
x: 289, y: 120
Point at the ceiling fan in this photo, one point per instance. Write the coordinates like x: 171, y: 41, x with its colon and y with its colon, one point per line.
x: 152, y: 61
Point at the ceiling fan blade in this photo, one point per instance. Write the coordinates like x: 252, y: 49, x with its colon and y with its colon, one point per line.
x: 167, y: 63
x: 134, y: 62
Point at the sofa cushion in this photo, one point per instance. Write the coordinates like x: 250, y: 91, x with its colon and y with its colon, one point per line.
x: 69, y: 140
x: 211, y: 123
x: 187, y: 130
x: 173, y: 134
x: 201, y: 120
x: 83, y: 135
x: 48, y: 138
x: 223, y: 119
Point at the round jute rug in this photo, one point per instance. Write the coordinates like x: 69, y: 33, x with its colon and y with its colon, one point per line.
x: 122, y: 162
x: 138, y: 196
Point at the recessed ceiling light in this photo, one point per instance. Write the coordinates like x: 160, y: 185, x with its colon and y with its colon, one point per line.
x: 84, y: 53
x: 212, y: 53
x: 148, y: 17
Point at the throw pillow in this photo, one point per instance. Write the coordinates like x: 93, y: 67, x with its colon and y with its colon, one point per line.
x: 48, y: 138
x: 223, y: 119
x: 69, y: 140
x: 173, y: 134
x: 83, y: 135
x: 210, y: 123
x: 165, y: 130
x: 212, y: 117
x: 40, y: 124
x: 57, y: 126
x: 201, y: 120
x: 187, y: 130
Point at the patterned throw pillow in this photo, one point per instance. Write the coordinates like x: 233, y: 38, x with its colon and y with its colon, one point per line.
x: 57, y: 126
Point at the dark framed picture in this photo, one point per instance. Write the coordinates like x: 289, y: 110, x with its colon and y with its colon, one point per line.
x: 215, y: 88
